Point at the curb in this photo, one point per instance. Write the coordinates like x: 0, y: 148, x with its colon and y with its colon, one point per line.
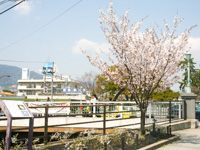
x: 160, y: 143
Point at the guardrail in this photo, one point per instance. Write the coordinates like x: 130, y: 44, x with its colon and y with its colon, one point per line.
x: 112, y: 110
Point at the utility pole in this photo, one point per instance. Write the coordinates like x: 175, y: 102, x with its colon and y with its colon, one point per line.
x: 52, y: 73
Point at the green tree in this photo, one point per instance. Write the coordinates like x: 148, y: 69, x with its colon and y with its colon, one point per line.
x: 165, y: 95
x: 106, y: 86
x: 9, y: 91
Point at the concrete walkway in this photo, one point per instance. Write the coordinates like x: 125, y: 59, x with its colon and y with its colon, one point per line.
x: 189, y: 140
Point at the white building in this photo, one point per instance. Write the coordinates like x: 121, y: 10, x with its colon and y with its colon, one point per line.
x: 35, y: 88
x: 25, y: 74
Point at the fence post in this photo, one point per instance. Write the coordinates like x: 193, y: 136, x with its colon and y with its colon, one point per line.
x: 122, y: 142
x: 150, y: 110
x: 170, y: 116
x: 8, y: 133
x: 170, y: 111
x: 154, y: 126
x: 185, y: 110
x: 104, y: 119
x: 189, y: 105
x: 121, y: 113
x: 179, y: 110
x: 136, y: 141
x: 104, y: 124
x: 94, y: 109
x: 46, y: 125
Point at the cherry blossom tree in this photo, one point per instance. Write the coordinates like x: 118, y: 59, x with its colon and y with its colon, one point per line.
x: 145, y: 61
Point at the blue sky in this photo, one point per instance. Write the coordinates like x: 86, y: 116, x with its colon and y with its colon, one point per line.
x: 60, y: 40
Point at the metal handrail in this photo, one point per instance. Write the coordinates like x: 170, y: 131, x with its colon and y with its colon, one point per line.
x: 104, y: 113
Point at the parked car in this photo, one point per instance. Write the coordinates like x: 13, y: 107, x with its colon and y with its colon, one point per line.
x: 197, y: 110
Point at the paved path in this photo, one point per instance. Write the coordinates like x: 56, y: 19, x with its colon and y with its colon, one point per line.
x: 189, y: 140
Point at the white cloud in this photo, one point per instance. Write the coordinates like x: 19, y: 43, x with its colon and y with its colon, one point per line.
x: 195, y: 49
x: 24, y: 8
x: 85, y: 44
x: 195, y: 43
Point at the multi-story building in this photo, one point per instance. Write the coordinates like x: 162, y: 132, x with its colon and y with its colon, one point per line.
x: 58, y: 85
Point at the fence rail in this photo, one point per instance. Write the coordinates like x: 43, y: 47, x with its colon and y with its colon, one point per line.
x: 105, y: 111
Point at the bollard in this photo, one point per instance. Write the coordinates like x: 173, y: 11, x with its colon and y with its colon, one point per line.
x: 149, y: 138
x: 154, y: 126
x: 167, y: 130
x: 158, y: 133
x: 122, y: 142
x: 136, y: 141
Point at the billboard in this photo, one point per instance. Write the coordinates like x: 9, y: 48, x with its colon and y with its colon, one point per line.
x: 48, y: 68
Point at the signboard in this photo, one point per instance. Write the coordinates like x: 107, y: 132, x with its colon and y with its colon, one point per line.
x: 45, y: 90
x: 48, y: 68
x: 64, y: 91
x: 17, y: 108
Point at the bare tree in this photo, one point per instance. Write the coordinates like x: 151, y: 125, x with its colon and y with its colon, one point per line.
x: 88, y: 81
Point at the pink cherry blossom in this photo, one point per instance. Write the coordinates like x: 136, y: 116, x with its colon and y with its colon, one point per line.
x: 145, y: 61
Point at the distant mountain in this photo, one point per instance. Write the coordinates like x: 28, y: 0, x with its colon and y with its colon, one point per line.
x: 15, y: 74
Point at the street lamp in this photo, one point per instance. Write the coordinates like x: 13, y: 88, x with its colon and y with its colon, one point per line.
x: 188, y: 56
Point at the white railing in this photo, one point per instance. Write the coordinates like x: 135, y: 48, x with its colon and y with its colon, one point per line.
x: 155, y: 109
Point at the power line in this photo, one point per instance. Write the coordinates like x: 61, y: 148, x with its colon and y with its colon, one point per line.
x: 11, y: 7
x: 6, y: 6
x: 38, y: 29
x: 21, y: 61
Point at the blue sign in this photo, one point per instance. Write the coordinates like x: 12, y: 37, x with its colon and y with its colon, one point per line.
x: 48, y: 69
x: 64, y: 91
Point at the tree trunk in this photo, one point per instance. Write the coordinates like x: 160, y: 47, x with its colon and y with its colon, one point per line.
x: 142, y: 121
x: 117, y: 95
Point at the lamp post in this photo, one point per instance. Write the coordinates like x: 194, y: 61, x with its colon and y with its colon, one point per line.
x: 188, y: 56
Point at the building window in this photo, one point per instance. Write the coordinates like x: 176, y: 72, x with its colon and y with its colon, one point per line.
x: 31, y: 86
x: 30, y: 93
x: 59, y: 86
